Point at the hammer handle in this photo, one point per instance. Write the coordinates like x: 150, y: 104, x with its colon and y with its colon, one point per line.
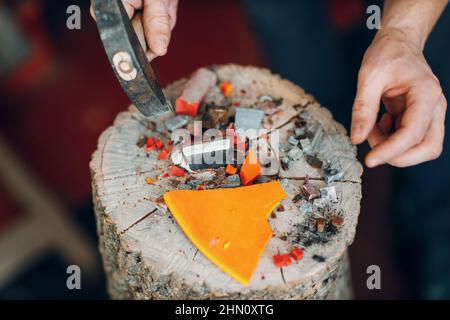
x: 139, y: 29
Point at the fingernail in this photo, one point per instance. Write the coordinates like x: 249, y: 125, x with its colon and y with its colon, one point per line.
x: 160, y: 46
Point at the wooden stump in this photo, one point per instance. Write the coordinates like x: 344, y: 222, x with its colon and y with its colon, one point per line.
x: 147, y: 256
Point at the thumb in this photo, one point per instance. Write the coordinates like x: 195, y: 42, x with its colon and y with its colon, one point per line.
x: 365, y: 107
x: 157, y: 26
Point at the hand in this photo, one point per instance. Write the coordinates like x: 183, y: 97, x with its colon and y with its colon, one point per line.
x: 411, y: 131
x: 159, y: 18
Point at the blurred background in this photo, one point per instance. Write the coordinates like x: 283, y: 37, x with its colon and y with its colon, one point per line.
x: 58, y: 93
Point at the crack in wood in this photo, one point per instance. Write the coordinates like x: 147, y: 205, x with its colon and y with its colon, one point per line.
x: 102, y: 153
x: 282, y: 275
x: 127, y: 175
x: 321, y: 179
x: 137, y: 221
x: 304, y: 178
x: 348, y: 181
x: 195, y: 254
x: 281, y: 126
x: 285, y: 123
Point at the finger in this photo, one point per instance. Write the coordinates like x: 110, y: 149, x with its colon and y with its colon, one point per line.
x: 386, y: 122
x: 376, y: 136
x: 91, y: 10
x: 394, y: 105
x: 365, y: 106
x: 413, y: 126
x: 380, y: 131
x: 150, y: 55
x: 131, y: 6
x: 431, y: 147
x: 398, y: 121
x: 173, y: 7
x: 157, y: 25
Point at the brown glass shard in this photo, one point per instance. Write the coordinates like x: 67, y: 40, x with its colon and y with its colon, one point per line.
x: 314, y: 162
x: 309, y: 191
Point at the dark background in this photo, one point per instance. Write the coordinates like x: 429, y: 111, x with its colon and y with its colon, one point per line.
x: 55, y: 104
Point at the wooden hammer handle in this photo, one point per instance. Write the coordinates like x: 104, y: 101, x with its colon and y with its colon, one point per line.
x: 139, y: 29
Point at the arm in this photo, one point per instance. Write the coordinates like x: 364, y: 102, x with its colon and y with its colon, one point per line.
x: 394, y: 71
x: 159, y: 18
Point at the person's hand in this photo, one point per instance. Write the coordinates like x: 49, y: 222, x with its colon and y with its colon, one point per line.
x: 411, y: 131
x: 159, y: 18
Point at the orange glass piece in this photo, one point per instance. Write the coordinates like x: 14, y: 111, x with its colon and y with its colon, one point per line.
x: 251, y: 169
x: 297, y: 254
x: 230, y: 170
x: 186, y: 108
x: 176, y: 171
x: 229, y: 226
x: 226, y: 88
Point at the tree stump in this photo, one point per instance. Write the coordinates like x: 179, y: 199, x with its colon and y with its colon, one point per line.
x: 147, y: 256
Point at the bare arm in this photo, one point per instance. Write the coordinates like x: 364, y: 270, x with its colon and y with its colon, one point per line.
x: 395, y: 71
x: 415, y: 18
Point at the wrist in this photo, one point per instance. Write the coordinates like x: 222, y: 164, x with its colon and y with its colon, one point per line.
x: 407, y: 35
x: 411, y: 20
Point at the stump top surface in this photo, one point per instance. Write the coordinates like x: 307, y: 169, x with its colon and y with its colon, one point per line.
x: 143, y: 225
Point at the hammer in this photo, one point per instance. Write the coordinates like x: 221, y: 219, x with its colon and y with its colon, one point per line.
x: 125, y: 45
